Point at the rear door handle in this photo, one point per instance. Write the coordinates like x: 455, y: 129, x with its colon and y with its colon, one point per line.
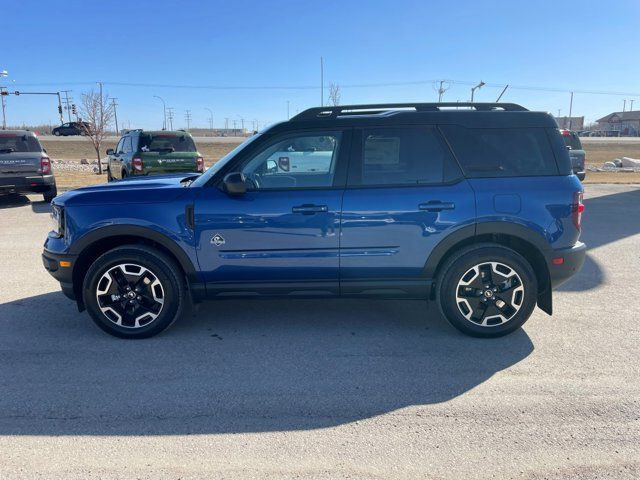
x: 436, y: 206
x: 309, y: 209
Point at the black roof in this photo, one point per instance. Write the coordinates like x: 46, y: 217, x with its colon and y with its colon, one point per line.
x: 472, y: 115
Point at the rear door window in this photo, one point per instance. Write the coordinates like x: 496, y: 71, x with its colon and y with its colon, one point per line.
x: 502, y: 152
x: 397, y: 156
x: 571, y: 140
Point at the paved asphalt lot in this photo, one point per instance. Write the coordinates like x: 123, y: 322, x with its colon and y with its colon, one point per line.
x: 325, y: 389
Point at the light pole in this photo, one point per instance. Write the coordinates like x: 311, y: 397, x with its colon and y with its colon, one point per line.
x: 3, y: 74
x: 210, y: 118
x: 164, y: 111
x: 473, y: 89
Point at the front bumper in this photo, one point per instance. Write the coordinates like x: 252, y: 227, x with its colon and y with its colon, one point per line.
x: 36, y: 183
x: 60, y: 266
x: 572, y: 260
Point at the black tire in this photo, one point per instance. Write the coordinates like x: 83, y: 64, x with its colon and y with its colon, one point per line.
x: 124, y: 174
x: 469, y: 265
x: 56, y: 133
x: 50, y: 194
x: 165, y: 271
x: 581, y: 176
x: 109, y: 177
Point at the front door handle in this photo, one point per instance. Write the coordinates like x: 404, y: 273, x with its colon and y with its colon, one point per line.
x: 436, y: 206
x: 309, y: 209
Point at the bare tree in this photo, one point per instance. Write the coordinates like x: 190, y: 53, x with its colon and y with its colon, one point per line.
x: 97, y: 110
x: 334, y: 94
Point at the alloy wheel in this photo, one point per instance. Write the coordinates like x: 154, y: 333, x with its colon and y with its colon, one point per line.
x: 130, y: 295
x: 489, y: 294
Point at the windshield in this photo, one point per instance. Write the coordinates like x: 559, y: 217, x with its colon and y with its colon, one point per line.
x: 166, y: 143
x: 211, y: 171
x: 19, y: 143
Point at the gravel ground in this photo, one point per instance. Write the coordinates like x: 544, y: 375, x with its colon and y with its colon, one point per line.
x: 316, y: 389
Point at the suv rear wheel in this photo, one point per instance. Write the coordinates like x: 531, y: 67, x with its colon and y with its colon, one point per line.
x: 487, y: 290
x: 134, y: 291
x: 50, y: 194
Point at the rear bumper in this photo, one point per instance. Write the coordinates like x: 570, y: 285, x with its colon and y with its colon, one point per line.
x: 572, y: 260
x: 35, y: 183
x: 64, y: 275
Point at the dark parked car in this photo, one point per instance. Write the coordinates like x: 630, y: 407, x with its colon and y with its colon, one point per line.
x: 141, y: 153
x: 476, y: 209
x: 576, y: 153
x: 25, y: 166
x: 71, y: 128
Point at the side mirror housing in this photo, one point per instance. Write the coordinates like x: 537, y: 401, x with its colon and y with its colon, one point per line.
x: 110, y: 151
x: 234, y: 183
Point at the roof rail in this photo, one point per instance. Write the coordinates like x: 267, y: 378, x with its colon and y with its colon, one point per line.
x: 333, y: 112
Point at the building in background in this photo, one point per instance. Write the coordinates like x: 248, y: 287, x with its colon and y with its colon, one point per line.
x: 571, y: 123
x: 627, y: 123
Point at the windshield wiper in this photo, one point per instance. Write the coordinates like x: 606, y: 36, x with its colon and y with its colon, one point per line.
x: 7, y: 150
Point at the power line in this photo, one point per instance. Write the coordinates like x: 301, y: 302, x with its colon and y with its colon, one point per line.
x: 354, y: 85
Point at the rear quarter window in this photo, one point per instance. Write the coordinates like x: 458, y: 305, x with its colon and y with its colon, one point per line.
x: 502, y: 152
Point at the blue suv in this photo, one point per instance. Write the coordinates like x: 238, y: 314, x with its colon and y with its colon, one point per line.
x: 472, y: 205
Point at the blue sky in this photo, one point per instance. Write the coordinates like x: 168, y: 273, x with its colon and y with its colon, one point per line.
x: 166, y: 47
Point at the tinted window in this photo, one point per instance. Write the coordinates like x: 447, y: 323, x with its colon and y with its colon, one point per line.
x: 401, y: 156
x: 303, y: 161
x: 502, y: 152
x: 19, y: 143
x: 166, y: 143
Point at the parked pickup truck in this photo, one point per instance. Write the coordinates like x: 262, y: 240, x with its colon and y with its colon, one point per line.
x: 24, y: 165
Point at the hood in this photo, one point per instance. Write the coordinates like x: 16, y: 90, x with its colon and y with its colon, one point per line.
x: 154, y: 189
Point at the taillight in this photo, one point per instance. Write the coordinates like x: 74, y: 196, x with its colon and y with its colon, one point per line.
x: 137, y: 164
x: 45, y: 166
x: 200, y: 164
x: 576, y: 210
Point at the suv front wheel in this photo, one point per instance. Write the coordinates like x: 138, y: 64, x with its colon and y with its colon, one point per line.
x: 487, y: 290
x: 134, y: 291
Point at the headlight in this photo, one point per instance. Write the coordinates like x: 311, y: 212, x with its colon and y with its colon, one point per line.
x: 57, y: 220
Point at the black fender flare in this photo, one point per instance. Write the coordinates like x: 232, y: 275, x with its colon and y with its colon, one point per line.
x: 142, y: 232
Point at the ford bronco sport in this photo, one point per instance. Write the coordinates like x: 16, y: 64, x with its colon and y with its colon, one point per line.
x: 151, y: 153
x: 474, y: 206
x: 25, y: 166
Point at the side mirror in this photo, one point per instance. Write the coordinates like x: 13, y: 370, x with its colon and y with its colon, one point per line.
x: 110, y: 151
x: 234, y: 183
x: 568, y: 147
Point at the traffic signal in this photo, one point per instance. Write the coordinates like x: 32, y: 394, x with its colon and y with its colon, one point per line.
x: 73, y: 108
x: 60, y: 109
x: 4, y: 93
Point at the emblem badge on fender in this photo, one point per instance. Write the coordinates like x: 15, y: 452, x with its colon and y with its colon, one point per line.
x: 217, y: 240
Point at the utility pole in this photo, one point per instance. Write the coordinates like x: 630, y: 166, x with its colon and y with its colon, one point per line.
x: 187, y: 117
x: 60, y: 106
x: 631, y: 108
x: 210, y: 118
x: 570, y: 109
x: 170, y: 117
x: 234, y: 128
x: 242, y: 123
x: 444, y: 86
x: 67, y: 103
x: 115, y: 114
x: 321, y: 82
x: 624, y: 106
x: 559, y: 110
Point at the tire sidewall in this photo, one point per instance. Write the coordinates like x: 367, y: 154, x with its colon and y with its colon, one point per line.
x: 162, y: 267
x: 458, y: 266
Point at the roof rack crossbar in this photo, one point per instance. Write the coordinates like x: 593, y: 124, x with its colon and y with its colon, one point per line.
x: 333, y: 112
